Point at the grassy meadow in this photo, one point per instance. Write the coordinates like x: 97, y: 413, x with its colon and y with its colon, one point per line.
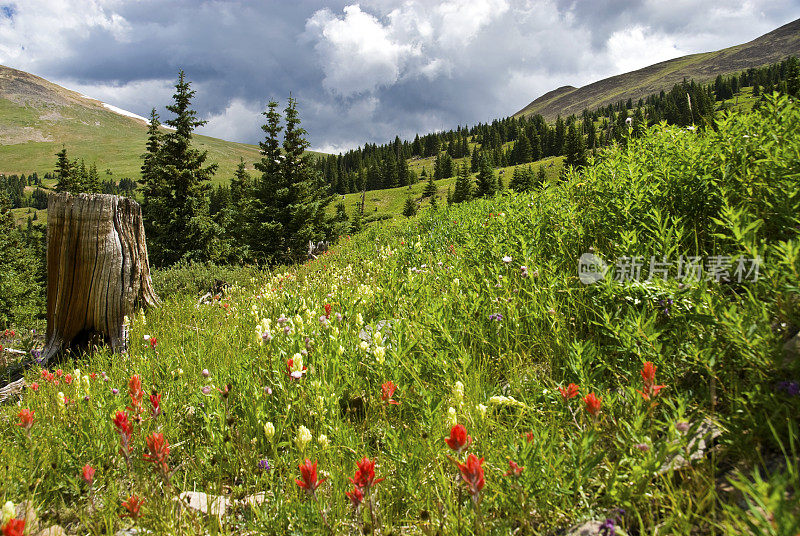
x: 467, y: 323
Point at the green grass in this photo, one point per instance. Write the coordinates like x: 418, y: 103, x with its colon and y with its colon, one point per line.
x: 109, y: 140
x: 433, y: 287
x: 388, y: 203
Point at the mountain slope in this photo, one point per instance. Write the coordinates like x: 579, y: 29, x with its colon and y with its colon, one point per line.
x: 38, y: 117
x: 772, y: 47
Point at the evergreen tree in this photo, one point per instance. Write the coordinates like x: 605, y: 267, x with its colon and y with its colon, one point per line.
x: 308, y: 198
x: 410, y: 208
x: 574, y: 149
x: 92, y: 185
x: 434, y: 202
x: 522, y: 180
x: 463, y: 189
x: 176, y: 216
x: 266, y: 227
x: 486, y: 182
x: 430, y: 188
x: 64, y: 172
x: 356, y: 224
x: 20, y: 294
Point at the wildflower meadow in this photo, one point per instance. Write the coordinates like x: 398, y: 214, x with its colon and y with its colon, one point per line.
x: 451, y: 374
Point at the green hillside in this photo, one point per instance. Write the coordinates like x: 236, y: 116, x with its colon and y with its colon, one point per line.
x: 460, y: 360
x: 769, y: 48
x: 38, y: 118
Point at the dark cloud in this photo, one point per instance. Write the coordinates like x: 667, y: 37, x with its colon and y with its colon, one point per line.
x: 361, y: 72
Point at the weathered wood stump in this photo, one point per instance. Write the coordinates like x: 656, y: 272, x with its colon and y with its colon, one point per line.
x: 97, y: 270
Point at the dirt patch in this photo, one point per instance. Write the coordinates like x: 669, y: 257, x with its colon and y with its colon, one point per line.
x: 13, y: 136
x: 51, y: 115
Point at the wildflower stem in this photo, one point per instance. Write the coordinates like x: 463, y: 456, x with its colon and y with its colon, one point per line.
x: 322, y: 514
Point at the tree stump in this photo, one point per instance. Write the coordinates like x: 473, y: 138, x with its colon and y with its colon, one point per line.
x: 97, y: 270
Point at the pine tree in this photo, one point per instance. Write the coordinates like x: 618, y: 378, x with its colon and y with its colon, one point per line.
x: 64, y: 172
x: 355, y: 223
x: 92, y: 185
x: 430, y: 188
x: 176, y: 215
x: 410, y: 208
x: 308, y: 198
x: 463, y: 189
x: 574, y: 149
x: 486, y: 182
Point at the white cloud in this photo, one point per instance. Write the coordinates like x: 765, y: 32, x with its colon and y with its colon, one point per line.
x: 49, y: 27
x: 636, y: 47
x: 357, y: 52
x: 239, y: 121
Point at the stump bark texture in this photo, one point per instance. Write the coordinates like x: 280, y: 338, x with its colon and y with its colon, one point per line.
x: 97, y: 269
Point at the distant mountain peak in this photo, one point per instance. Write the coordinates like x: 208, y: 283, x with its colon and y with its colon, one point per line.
x: 772, y: 47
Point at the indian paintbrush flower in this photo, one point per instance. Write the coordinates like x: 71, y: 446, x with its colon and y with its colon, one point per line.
x: 648, y: 373
x: 158, y: 451
x: 355, y: 496
x: 155, y: 402
x: 458, y: 440
x: 87, y: 473
x: 365, y: 474
x: 25, y: 417
x: 514, y: 469
x: 14, y: 527
x: 472, y: 474
x: 387, y: 391
x: 571, y: 391
x: 132, y: 505
x: 308, y: 477
x: 593, y: 404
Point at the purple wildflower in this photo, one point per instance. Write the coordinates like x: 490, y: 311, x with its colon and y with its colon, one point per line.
x: 264, y: 465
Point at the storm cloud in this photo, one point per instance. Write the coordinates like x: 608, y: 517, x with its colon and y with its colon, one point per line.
x: 362, y: 72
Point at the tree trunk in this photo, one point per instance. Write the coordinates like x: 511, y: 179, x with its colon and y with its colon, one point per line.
x: 97, y: 270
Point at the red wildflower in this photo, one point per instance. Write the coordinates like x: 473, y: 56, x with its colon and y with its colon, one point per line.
x: 136, y: 394
x: 592, y: 404
x: 328, y: 307
x: 68, y: 379
x: 25, y: 419
x: 59, y: 373
x: 132, y: 505
x: 570, y: 392
x: 153, y: 342
x: 355, y: 496
x: 308, y: 472
x: 88, y: 474
x: 365, y: 474
x: 387, y: 391
x: 125, y: 430
x: 155, y: 401
x: 649, y: 377
x: 472, y: 474
x: 158, y: 448
x: 514, y: 469
x: 34, y: 386
x: 122, y: 424
x: 458, y: 440
x: 14, y: 527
